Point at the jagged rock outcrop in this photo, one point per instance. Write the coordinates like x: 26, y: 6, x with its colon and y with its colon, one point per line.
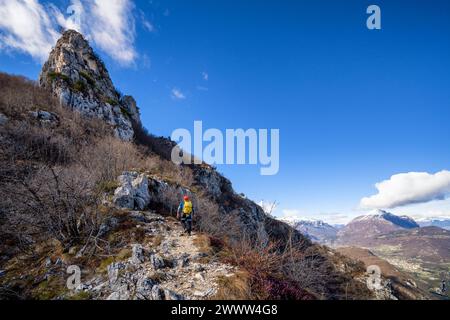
x: 137, y: 191
x: 77, y: 76
x: 133, y: 192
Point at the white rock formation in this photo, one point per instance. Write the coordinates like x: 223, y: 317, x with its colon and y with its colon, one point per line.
x: 80, y: 80
x: 133, y: 192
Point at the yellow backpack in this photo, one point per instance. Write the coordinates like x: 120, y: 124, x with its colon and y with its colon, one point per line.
x: 187, y: 208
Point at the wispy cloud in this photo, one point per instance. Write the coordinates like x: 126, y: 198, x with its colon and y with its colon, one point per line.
x: 146, y: 23
x: 205, y: 76
x: 33, y: 28
x: 201, y: 88
x: 25, y: 26
x: 409, y: 188
x: 176, y: 94
x: 113, y: 28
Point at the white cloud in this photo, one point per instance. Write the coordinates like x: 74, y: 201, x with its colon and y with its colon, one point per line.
x: 26, y: 27
x: 111, y: 25
x: 409, y: 188
x: 205, y: 76
x: 176, y: 94
x: 29, y: 26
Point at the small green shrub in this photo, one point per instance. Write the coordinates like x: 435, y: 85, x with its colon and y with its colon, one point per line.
x: 107, y: 186
x: 79, y: 86
x: 125, y: 112
x: 122, y: 255
x: 88, y: 78
x: 82, y: 295
x: 52, y: 76
x: 111, y: 101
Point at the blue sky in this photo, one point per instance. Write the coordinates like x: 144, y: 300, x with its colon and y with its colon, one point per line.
x: 354, y: 106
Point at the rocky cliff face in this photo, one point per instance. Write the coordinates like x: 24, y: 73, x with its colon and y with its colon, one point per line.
x: 76, y: 75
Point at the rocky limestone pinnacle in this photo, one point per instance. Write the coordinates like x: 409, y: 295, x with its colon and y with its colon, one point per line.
x: 77, y: 76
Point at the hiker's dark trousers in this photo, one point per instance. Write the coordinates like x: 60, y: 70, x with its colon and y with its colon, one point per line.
x: 187, y: 224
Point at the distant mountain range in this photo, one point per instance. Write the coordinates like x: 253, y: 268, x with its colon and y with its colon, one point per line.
x: 421, y: 249
x: 316, y: 230
x: 443, y: 223
x: 363, y: 227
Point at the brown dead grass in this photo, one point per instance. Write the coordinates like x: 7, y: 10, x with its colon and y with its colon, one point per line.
x: 235, y: 287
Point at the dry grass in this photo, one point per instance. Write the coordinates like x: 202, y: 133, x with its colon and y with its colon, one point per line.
x: 235, y: 287
x: 203, y: 244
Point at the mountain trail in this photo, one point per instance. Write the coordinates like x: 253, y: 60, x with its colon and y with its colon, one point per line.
x: 168, y: 265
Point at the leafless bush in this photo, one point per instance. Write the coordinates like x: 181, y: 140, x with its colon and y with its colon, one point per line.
x: 158, y: 145
x: 170, y: 198
x: 109, y: 157
x: 215, y: 222
x: 21, y: 141
x: 54, y: 202
x: 19, y: 95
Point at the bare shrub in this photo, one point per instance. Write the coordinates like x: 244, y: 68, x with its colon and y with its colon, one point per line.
x: 19, y: 95
x: 160, y: 149
x: 264, y: 266
x: 54, y: 202
x: 33, y: 143
x: 170, y: 198
x: 109, y: 157
x: 213, y: 221
x: 158, y: 145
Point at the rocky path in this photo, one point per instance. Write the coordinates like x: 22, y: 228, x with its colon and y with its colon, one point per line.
x: 169, y: 266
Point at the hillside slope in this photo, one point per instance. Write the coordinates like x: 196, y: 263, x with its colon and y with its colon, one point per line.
x: 65, y: 147
x: 403, y: 286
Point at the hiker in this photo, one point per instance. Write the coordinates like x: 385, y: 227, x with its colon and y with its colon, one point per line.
x: 443, y: 287
x: 186, y: 213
